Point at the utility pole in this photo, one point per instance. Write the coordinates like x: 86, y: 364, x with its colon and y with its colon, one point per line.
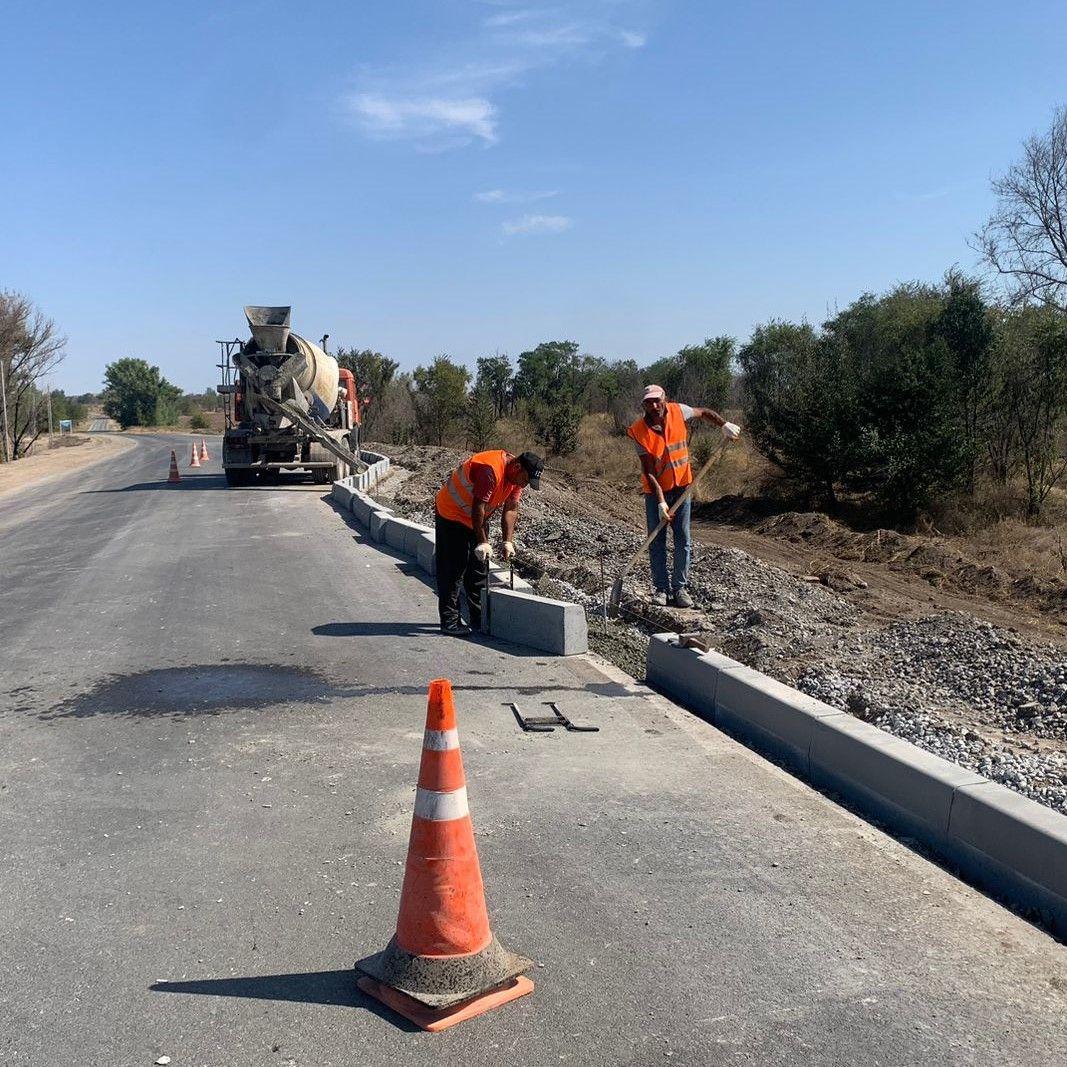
x: 48, y: 393
x: 3, y: 404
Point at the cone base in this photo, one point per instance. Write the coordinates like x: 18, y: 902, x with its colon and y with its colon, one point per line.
x: 442, y: 1018
x: 438, y: 982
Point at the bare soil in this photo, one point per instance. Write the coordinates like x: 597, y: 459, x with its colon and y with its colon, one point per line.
x: 69, y: 453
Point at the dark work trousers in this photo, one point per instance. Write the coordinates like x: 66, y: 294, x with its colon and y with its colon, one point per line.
x: 458, y: 566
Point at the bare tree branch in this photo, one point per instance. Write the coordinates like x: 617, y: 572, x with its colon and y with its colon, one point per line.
x: 30, y: 349
x: 1025, y: 239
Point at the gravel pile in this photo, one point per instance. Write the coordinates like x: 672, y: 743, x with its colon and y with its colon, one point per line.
x: 963, y: 689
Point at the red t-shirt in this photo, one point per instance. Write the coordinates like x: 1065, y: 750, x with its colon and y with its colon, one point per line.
x: 484, y: 479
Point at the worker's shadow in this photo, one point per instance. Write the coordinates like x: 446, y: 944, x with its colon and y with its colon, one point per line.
x: 375, y: 629
x: 331, y: 988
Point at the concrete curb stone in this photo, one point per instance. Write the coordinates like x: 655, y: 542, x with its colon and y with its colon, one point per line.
x: 1003, y: 842
x: 553, y: 626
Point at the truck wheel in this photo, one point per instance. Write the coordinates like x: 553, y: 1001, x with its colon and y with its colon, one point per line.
x: 235, y: 479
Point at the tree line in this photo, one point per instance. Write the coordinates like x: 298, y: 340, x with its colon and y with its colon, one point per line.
x: 551, y: 387
x: 900, y: 397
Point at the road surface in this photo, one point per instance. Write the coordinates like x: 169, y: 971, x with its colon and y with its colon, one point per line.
x: 211, y: 705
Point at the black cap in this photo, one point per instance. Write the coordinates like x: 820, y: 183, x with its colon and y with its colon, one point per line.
x: 533, y: 464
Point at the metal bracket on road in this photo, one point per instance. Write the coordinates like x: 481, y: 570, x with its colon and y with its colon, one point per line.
x: 545, y: 724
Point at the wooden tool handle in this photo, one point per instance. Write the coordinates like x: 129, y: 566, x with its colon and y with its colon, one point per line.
x: 677, y: 504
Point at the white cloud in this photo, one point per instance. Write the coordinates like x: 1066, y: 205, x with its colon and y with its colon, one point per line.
x: 509, y: 18
x: 529, y: 224
x: 423, y: 117
x: 438, y: 106
x: 502, y: 196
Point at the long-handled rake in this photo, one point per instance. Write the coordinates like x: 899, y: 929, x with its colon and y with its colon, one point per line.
x: 616, y: 589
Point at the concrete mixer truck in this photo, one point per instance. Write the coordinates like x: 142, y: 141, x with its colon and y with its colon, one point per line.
x: 288, y: 405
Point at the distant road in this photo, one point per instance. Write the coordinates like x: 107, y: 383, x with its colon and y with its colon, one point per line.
x: 211, y: 715
x: 100, y: 426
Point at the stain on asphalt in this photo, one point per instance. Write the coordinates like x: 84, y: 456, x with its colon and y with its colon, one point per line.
x: 220, y: 688
x: 199, y: 690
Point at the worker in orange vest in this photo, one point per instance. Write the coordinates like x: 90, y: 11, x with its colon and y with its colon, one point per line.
x: 471, y: 494
x: 662, y: 439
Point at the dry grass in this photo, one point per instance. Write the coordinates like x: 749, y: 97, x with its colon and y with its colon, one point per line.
x: 609, y: 456
x: 991, y: 527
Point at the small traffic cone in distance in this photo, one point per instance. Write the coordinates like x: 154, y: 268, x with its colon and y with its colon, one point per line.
x: 443, y: 965
x: 173, y: 476
x: 204, y: 457
x: 195, y: 461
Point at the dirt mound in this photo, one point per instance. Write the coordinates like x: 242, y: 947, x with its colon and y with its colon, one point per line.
x: 934, y: 559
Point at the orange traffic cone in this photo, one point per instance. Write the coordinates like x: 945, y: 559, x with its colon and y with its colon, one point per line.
x: 194, y: 462
x: 204, y: 457
x: 443, y: 965
x: 173, y: 476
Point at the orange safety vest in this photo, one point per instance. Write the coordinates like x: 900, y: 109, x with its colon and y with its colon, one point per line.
x: 455, y: 499
x: 669, y: 449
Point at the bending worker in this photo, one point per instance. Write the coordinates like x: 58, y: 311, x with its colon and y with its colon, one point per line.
x: 465, y: 503
x: 662, y: 440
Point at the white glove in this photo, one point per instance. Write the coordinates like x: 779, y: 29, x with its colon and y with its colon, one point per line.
x: 509, y: 551
x: 664, y: 510
x: 731, y: 431
x: 483, y: 552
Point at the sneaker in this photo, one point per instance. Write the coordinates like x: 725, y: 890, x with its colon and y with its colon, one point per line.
x: 456, y: 629
x: 682, y: 599
x: 659, y: 598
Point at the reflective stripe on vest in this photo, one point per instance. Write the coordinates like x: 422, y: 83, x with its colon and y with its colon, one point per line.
x: 670, y: 450
x: 455, y: 499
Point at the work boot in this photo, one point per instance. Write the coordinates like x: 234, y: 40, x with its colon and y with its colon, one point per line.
x: 456, y: 629
x: 659, y: 598
x: 682, y: 599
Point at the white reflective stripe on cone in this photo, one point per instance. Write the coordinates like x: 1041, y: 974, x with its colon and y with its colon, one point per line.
x: 441, y: 807
x: 440, y: 740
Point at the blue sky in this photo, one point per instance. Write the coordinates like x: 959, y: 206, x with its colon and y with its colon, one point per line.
x: 429, y: 176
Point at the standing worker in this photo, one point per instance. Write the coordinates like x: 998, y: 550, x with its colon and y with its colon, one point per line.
x: 662, y: 440
x: 465, y: 503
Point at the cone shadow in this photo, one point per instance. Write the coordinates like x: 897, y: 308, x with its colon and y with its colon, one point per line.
x: 330, y: 988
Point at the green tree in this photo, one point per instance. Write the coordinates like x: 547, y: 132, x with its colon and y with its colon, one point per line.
x: 906, y: 397
x: 552, y: 382
x: 800, y: 405
x: 440, y: 398
x: 495, y: 380
x: 965, y: 325
x: 1033, y: 394
x: 136, y: 394
x: 373, y: 374
x: 66, y: 407
x: 480, y: 419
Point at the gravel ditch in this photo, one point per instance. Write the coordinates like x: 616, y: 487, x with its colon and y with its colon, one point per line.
x: 968, y: 691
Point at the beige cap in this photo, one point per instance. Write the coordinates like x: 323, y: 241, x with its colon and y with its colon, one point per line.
x: 653, y: 392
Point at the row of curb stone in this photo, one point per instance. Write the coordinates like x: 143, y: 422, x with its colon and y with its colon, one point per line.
x: 515, y: 614
x: 999, y: 840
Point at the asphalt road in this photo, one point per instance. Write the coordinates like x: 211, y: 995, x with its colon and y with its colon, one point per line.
x: 211, y: 704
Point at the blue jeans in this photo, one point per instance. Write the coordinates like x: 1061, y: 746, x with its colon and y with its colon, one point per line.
x: 657, y: 551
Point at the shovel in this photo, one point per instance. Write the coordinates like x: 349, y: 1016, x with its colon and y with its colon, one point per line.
x: 616, y: 589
